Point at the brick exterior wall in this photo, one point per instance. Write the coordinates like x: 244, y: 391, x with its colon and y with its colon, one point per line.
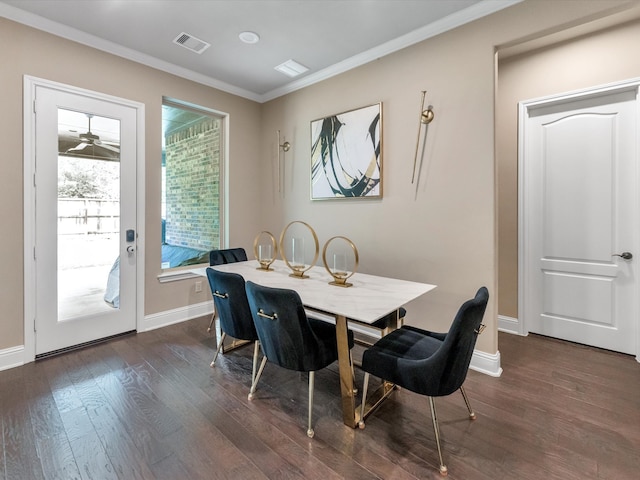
x: 192, y: 160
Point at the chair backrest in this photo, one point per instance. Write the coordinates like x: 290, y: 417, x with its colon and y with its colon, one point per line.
x: 229, y: 255
x: 286, y: 336
x: 230, y: 299
x: 454, y: 355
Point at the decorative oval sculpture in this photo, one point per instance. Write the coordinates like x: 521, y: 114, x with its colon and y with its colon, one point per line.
x: 297, y: 262
x: 339, y: 270
x: 265, y: 252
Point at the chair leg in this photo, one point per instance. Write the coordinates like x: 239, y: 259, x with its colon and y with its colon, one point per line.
x: 353, y: 373
x: 436, y: 430
x: 472, y: 414
x: 215, y: 356
x: 256, y: 348
x: 213, y: 319
x: 365, y: 387
x: 312, y: 378
x: 255, y: 382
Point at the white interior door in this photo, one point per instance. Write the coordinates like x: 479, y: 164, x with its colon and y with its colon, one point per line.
x: 581, y: 213
x: 85, y: 218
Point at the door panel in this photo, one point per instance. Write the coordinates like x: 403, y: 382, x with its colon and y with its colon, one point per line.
x: 582, y: 195
x: 84, y: 200
x: 561, y: 291
x: 578, y: 153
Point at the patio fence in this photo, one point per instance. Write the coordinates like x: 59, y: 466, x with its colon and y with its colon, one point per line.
x: 87, y: 216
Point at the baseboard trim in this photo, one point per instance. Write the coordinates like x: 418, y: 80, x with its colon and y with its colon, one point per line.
x: 11, y: 357
x: 509, y: 324
x: 486, y: 363
x: 177, y: 315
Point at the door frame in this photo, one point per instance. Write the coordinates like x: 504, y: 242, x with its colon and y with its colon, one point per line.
x: 525, y: 239
x: 29, y: 142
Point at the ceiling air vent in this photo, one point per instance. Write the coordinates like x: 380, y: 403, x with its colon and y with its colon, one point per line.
x: 192, y: 43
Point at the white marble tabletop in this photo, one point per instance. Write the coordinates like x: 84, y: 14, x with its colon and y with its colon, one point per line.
x: 370, y: 297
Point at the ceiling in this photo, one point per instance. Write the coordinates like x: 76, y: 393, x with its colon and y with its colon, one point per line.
x: 326, y: 36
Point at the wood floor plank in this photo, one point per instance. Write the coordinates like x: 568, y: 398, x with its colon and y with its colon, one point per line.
x: 56, y: 455
x: 122, y: 451
x: 212, y: 415
x: 108, y: 376
x: 148, y: 406
x: 298, y: 428
x: 220, y: 451
x: 20, y: 451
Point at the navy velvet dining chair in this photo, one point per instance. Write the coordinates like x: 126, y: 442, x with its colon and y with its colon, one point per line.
x: 222, y: 257
x: 383, y: 325
x: 289, y: 338
x: 428, y: 363
x: 229, y: 255
x: 232, y: 307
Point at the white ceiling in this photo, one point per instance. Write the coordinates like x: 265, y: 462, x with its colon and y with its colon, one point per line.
x: 327, y: 36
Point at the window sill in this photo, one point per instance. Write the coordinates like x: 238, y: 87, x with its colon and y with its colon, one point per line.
x: 175, y: 275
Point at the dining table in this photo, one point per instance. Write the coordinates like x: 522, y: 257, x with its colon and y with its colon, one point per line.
x: 369, y: 298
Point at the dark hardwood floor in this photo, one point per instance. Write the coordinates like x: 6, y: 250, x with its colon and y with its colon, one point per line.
x: 148, y: 406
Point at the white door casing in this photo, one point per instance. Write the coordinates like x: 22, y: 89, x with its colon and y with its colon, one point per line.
x: 43, y: 332
x: 578, y: 209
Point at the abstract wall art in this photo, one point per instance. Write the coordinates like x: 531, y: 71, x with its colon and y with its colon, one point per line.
x: 346, y: 160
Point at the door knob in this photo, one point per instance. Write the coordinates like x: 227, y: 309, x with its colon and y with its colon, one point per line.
x: 625, y: 255
x: 130, y: 249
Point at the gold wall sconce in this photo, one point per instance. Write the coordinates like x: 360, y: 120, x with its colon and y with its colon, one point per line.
x: 285, y: 147
x: 338, y: 269
x: 265, y: 250
x: 297, y: 262
x: 426, y: 117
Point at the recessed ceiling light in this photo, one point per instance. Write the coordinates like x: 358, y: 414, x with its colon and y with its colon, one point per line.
x: 249, y: 37
x: 291, y: 68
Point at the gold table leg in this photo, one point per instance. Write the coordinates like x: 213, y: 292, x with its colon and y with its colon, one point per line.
x: 351, y: 414
x: 375, y: 399
x: 346, y: 376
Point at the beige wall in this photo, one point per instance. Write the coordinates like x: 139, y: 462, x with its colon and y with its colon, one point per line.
x: 610, y: 55
x: 30, y: 52
x: 442, y: 231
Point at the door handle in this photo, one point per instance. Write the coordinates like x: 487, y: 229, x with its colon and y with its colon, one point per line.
x: 625, y: 255
x: 130, y: 249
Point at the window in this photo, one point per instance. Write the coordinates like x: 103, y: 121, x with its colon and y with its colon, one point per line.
x: 192, y: 154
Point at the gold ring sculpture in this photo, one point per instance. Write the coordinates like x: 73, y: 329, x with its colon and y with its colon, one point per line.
x: 299, y: 269
x: 340, y: 277
x: 265, y: 263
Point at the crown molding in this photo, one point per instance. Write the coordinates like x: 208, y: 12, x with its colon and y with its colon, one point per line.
x: 478, y: 10
x: 475, y: 12
x: 75, y: 35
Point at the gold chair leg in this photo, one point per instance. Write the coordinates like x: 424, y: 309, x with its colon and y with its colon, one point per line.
x: 353, y: 373
x: 312, y: 378
x: 472, y: 414
x: 213, y: 319
x: 436, y: 430
x: 365, y: 387
x: 255, y: 382
x: 215, y: 356
x: 256, y: 348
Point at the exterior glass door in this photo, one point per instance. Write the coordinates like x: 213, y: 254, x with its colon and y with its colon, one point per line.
x: 85, y: 257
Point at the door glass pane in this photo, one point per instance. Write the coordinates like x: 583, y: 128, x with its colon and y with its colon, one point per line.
x: 88, y: 214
